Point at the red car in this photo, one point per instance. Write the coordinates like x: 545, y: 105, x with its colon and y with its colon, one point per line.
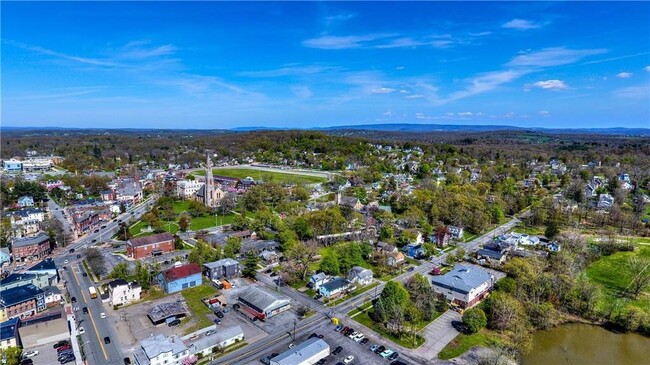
x: 435, y: 271
x: 63, y: 348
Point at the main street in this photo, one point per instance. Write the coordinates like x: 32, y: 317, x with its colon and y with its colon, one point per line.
x: 96, y: 328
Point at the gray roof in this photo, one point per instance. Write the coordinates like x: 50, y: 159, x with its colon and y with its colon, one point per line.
x: 228, y: 333
x: 263, y: 298
x: 166, y: 310
x: 301, y: 352
x: 28, y: 241
x: 222, y: 262
x: 320, y: 276
x: 335, y: 284
x: 361, y: 272
x: 158, y: 344
x: 490, y: 253
x: 463, y: 278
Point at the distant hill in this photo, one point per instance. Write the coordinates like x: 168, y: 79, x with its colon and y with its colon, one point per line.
x: 396, y: 127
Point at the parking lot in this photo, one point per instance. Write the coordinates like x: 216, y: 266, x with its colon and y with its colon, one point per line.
x: 361, y: 352
x: 47, y: 355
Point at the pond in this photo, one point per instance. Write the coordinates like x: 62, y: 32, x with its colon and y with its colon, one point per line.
x: 587, y: 344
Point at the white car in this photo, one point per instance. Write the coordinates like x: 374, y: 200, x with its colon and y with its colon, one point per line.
x: 353, y: 335
x: 359, y: 337
x: 65, y: 262
x: 291, y: 345
x: 103, y: 315
x: 348, y: 359
x: 30, y: 354
x: 81, y: 330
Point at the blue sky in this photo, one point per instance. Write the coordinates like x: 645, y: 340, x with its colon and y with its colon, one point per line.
x: 313, y: 64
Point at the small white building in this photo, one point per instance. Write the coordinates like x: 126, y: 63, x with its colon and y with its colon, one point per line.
x: 161, y: 350
x: 203, y: 341
x: 359, y: 275
x: 121, y: 292
x: 305, y: 353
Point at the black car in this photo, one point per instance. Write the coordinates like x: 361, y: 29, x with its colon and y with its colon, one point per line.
x: 321, y: 361
x: 85, y: 310
x: 313, y: 335
x: 107, y: 340
x: 60, y: 343
x: 73, y: 299
x: 27, y: 362
x: 220, y: 315
x: 71, y: 250
x: 78, y: 256
x: 397, y: 362
x: 393, y: 356
x: 380, y: 349
x: 67, y: 360
x: 364, y: 341
x: 127, y: 361
x: 84, y: 274
x: 173, y: 323
x: 337, y: 350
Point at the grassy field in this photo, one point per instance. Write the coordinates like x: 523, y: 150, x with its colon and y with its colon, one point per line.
x: 199, y: 310
x: 275, y: 177
x: 405, y: 341
x: 464, y: 342
x: 196, y: 224
x: 610, y: 272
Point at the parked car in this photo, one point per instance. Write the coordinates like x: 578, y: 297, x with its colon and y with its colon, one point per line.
x: 337, y: 350
x: 364, y: 341
x: 217, y: 321
x: 374, y: 347
x: 313, y: 335
x: 63, y: 348
x: 345, y: 329
x: 338, y: 328
x: 348, y: 359
x: 386, y: 353
x: 67, y: 360
x: 393, y: 356
x: 127, y: 361
x: 397, y: 362
x: 85, y: 310
x: 73, y: 299
x: 107, y: 340
x: 84, y: 274
x: 27, y: 362
x: 29, y: 354
x: 81, y: 330
x: 219, y: 314
x: 61, y: 343
x: 321, y: 361
x: 291, y: 345
x: 71, y: 250
x: 210, y: 332
x: 173, y: 323
x: 78, y: 256
x: 102, y: 315
x: 380, y: 349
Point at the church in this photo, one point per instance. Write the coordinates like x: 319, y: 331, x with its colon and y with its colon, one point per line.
x: 213, y: 197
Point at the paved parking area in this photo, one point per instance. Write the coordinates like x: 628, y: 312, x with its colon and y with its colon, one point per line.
x: 438, y: 334
x: 46, y: 355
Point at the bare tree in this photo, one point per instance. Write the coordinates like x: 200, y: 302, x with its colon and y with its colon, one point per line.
x: 640, y: 270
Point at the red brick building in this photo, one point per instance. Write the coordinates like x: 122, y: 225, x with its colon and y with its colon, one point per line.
x: 157, y: 244
x: 33, y: 248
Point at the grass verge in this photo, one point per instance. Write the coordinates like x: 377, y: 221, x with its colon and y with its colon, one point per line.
x: 405, y: 341
x: 464, y: 342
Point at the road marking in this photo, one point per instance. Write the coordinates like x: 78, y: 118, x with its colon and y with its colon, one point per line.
x: 101, y: 344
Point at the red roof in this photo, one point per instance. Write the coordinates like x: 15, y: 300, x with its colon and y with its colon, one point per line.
x: 182, y: 272
x: 153, y: 239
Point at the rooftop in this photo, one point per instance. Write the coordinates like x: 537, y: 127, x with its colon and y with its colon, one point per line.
x: 158, y: 344
x: 17, y: 277
x: 166, y: 310
x: 222, y: 262
x: 301, y: 352
x: 8, y: 329
x: 18, y: 294
x: 261, y: 297
x: 335, y: 284
x: 464, y: 278
x: 40, y: 238
x: 150, y: 240
x: 183, y: 271
x: 45, y: 265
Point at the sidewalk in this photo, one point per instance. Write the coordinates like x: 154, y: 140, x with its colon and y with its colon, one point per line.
x: 73, y: 340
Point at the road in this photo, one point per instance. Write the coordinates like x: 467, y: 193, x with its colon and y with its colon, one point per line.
x: 96, y: 328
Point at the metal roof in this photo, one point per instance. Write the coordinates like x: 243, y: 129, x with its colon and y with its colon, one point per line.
x: 301, y: 352
x: 464, y: 278
x: 262, y: 298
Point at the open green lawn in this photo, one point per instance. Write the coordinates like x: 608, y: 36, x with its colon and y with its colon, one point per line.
x: 463, y: 342
x: 275, y: 177
x: 610, y: 272
x: 196, y: 224
x: 353, y: 293
x: 199, y: 310
x: 406, y: 340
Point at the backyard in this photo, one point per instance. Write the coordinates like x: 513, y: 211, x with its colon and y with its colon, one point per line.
x: 267, y: 176
x: 199, y: 310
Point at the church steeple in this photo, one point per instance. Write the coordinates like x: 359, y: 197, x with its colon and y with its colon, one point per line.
x: 209, y: 184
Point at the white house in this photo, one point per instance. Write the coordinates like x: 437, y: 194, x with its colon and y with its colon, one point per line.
x: 464, y: 285
x: 25, y: 201
x: 122, y: 292
x: 161, y: 350
x: 317, y: 280
x: 186, y: 189
x: 360, y: 275
x: 203, y: 341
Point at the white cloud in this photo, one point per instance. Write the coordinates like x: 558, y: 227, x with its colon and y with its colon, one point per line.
x: 137, y: 51
x: 647, y: 68
x: 552, y: 57
x: 404, y: 91
x: 339, y: 18
x: 521, y: 24
x: 414, y: 96
x: 402, y: 67
x: 544, y: 113
x: 344, y: 42
x: 551, y: 85
x: 290, y: 71
x: 465, y: 114
x: 382, y: 90
x: 412, y: 43
x: 640, y: 92
x: 302, y: 92
x: 486, y: 82
x: 624, y: 75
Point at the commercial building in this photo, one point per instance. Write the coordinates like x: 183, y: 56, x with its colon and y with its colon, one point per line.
x: 221, y: 338
x: 45, y: 267
x: 181, y: 277
x: 186, y: 189
x: 163, y: 311
x: 153, y: 245
x: 28, y: 249
x: 464, y: 285
x: 40, y: 280
x: 305, y: 353
x: 12, y: 165
x: 161, y: 350
x: 44, y: 332
x: 224, y: 268
x: 21, y: 302
x: 9, y: 333
x: 121, y: 292
x: 261, y: 303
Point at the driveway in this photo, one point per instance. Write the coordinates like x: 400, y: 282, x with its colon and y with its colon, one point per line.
x: 438, y: 334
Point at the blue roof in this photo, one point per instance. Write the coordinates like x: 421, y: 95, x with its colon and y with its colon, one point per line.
x: 490, y: 253
x: 19, y: 294
x: 463, y: 278
x: 47, y: 264
x: 8, y: 329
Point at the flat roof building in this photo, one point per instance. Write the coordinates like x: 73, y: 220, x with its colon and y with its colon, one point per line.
x: 305, y: 353
x: 262, y: 303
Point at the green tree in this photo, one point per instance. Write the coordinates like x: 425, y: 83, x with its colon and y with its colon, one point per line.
x: 95, y: 261
x: 232, y: 247
x: 386, y: 233
x: 497, y: 214
x: 196, y: 208
x: 120, y: 271
x: 552, y: 230
x: 475, y: 319
x: 142, y: 275
x: 239, y: 223
x: 250, y: 265
x: 330, y: 264
x: 5, y: 232
x: 184, y: 222
x: 12, y: 354
x: 392, y: 300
